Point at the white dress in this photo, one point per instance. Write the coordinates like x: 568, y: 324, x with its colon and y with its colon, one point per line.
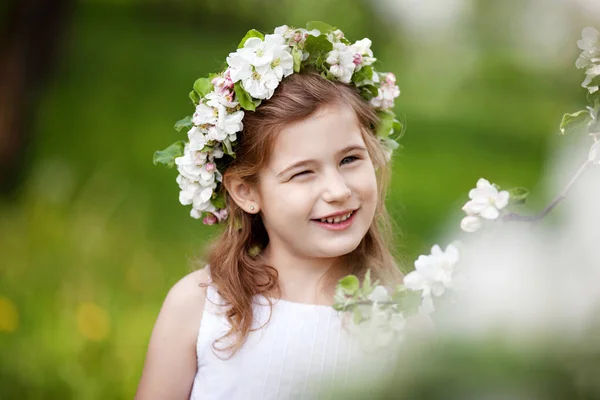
x: 300, y: 354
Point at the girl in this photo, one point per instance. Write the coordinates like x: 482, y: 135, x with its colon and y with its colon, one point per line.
x: 305, y: 204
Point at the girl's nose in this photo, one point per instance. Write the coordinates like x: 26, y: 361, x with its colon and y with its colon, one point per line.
x: 336, y: 189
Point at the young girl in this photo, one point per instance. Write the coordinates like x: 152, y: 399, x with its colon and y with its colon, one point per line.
x: 304, y: 206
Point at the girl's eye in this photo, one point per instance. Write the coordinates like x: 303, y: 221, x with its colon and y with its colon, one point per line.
x: 300, y: 174
x: 348, y: 160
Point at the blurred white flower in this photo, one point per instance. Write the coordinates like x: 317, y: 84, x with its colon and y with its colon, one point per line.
x: 470, y: 223
x: 379, y: 294
x: 433, y: 273
x: 589, y: 57
x: 486, y: 201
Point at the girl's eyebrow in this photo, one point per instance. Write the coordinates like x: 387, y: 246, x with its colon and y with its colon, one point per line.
x: 305, y: 162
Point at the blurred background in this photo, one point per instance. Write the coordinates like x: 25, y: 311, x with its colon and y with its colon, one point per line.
x: 92, y: 235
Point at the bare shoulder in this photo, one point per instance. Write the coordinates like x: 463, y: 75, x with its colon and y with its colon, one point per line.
x: 171, y: 359
x: 188, y: 293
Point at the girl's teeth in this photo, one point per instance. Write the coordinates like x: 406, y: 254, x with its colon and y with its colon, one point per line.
x: 337, y: 219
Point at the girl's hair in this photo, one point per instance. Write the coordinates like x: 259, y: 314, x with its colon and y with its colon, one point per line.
x: 236, y: 270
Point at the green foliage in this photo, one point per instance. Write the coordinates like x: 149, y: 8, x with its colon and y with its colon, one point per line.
x: 387, y: 122
x: 320, y: 26
x: 297, y: 56
x: 184, y: 123
x: 317, y: 47
x: 518, y: 195
x: 168, y: 155
x: 365, y: 73
x: 571, y: 122
x: 349, y: 284
x: 252, y: 33
x: 245, y: 100
x: 203, y: 86
x: 194, y: 97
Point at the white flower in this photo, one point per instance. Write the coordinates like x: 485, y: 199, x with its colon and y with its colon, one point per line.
x: 589, y: 57
x: 470, y: 223
x: 197, y: 139
x: 362, y: 48
x: 222, y: 98
x: 433, y: 273
x: 261, y: 64
x: 204, y: 114
x: 590, y: 74
x: 379, y: 294
x: 590, y: 44
x: 387, y: 93
x: 486, y: 201
x: 188, y: 190
x: 341, y: 60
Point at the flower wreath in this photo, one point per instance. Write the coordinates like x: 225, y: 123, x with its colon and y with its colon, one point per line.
x: 253, y: 73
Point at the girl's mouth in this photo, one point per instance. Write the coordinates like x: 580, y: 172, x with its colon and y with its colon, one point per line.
x: 337, y: 223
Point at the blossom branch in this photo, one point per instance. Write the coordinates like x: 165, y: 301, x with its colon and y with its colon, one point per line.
x: 563, y: 195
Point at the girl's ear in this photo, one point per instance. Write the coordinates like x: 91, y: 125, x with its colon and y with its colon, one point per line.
x: 244, y: 195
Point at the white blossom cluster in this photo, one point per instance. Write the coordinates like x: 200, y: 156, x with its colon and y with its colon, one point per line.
x: 486, y: 203
x: 259, y: 66
x: 590, y: 57
x: 433, y: 273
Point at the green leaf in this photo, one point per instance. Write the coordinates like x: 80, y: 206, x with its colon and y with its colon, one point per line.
x: 571, y: 121
x: 251, y: 33
x: 245, y: 100
x: 297, y: 56
x: 168, y: 155
x: 357, y: 316
x: 408, y: 301
x: 349, y: 284
x: 184, y: 123
x: 518, y: 195
x: 367, y: 284
x: 368, y: 92
x: 203, y: 86
x: 228, y: 149
x: 194, y: 97
x: 365, y: 73
x: 218, y: 200
x: 386, y: 123
x: 321, y: 26
x: 254, y: 250
x: 316, y: 45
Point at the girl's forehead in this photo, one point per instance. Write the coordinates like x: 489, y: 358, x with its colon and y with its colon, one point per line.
x: 323, y: 133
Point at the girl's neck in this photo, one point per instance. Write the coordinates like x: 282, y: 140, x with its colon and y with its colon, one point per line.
x: 304, y: 280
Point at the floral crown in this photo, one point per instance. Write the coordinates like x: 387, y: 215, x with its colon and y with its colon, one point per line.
x: 252, y: 74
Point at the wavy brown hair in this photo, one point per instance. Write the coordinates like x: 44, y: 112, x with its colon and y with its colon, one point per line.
x: 237, y: 272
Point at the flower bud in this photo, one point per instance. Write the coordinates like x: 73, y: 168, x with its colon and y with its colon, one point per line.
x: 358, y: 59
x: 470, y: 223
x: 210, y: 166
x: 209, y: 220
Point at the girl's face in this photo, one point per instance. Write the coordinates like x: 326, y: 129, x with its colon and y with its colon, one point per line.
x: 320, y: 169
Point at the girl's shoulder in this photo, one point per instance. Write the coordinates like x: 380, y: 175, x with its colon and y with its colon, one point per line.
x: 187, y: 298
x: 171, y: 359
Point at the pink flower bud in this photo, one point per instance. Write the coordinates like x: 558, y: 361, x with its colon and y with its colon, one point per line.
x: 298, y: 37
x: 358, y: 59
x: 390, y: 79
x: 210, y: 167
x: 209, y: 220
x: 222, y: 214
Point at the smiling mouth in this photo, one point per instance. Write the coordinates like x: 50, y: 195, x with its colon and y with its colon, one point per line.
x: 337, y: 219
